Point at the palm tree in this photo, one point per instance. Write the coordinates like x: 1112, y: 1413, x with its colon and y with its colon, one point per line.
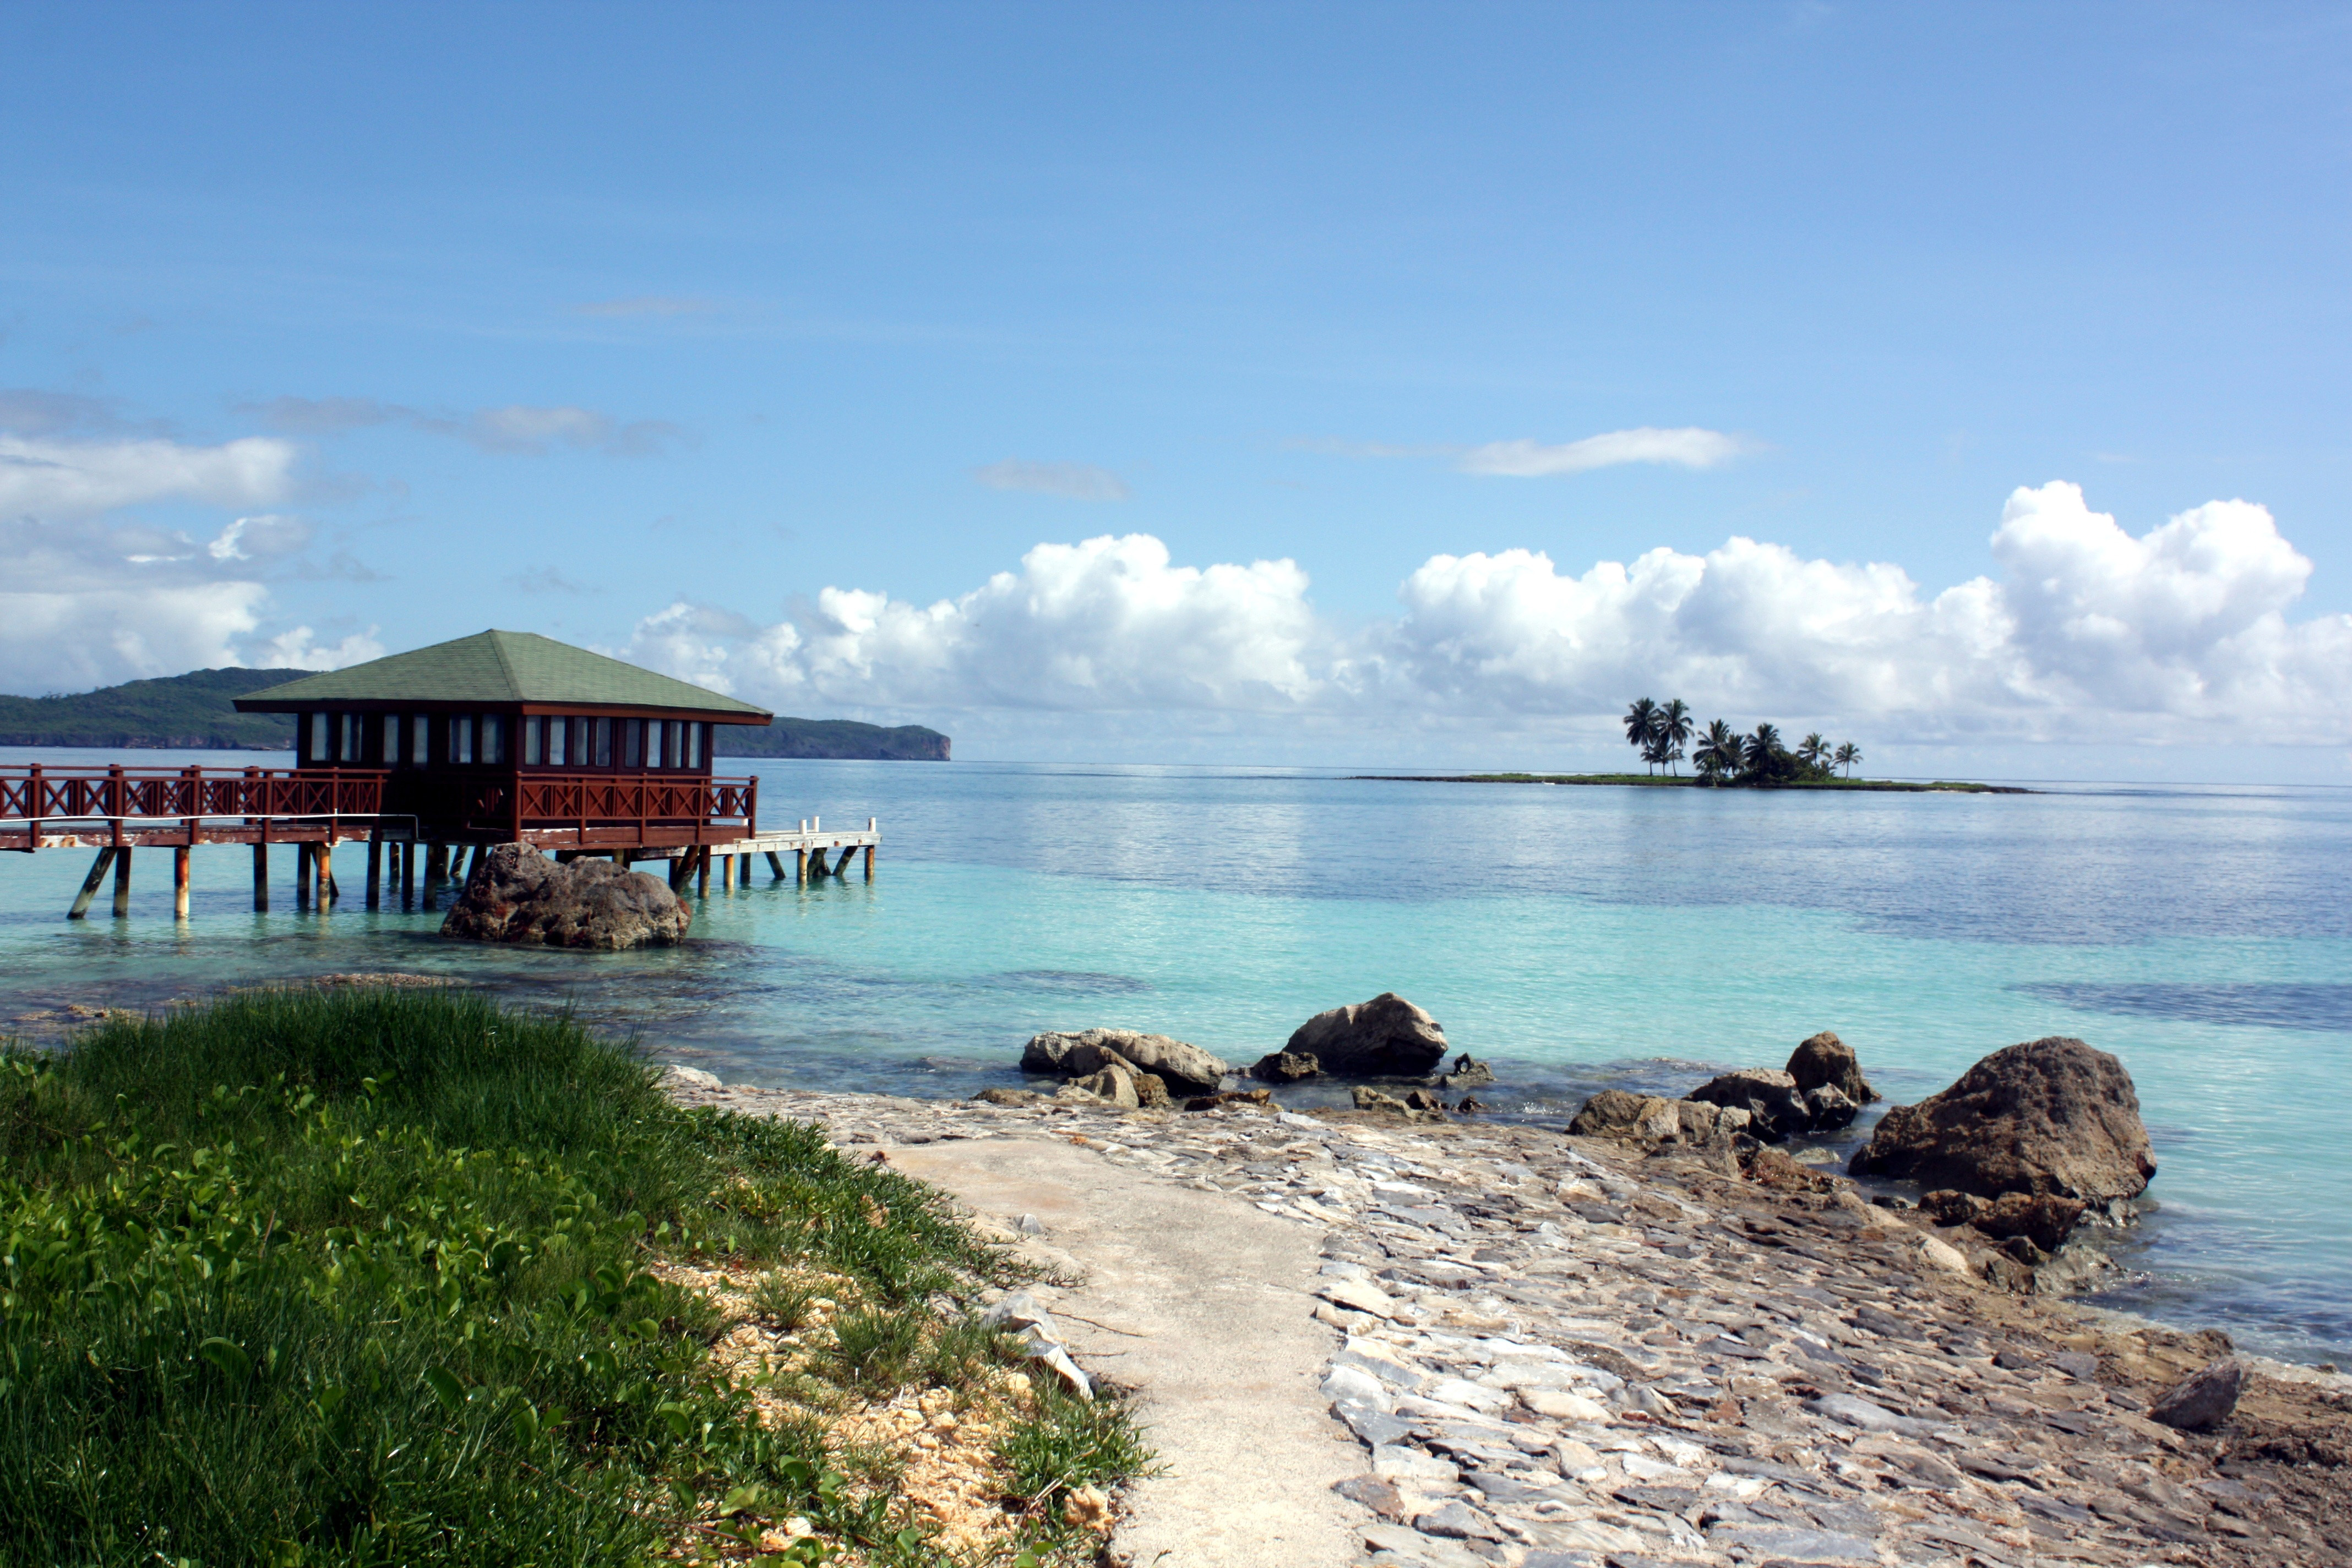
x: 1762, y: 747
x: 1718, y: 749
x: 1673, y: 728
x: 1813, y: 750
x: 1641, y: 727
x: 1847, y: 756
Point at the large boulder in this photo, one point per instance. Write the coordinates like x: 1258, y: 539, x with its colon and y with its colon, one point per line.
x: 518, y: 894
x: 1826, y: 1062
x: 1184, y: 1068
x: 2050, y: 1116
x: 1387, y: 1037
x: 1775, y: 1107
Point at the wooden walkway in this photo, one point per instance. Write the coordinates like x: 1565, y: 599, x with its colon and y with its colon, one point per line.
x: 117, y: 810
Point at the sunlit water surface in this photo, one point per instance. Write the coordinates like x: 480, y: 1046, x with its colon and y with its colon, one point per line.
x: 1577, y: 937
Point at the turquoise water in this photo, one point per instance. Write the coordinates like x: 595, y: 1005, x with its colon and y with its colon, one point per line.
x: 1577, y: 937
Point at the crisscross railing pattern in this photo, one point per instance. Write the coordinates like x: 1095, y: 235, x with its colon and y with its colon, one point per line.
x: 602, y: 801
x: 36, y: 793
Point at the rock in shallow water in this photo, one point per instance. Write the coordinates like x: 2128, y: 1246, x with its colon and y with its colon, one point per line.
x: 1825, y: 1061
x: 2049, y: 1116
x: 1184, y: 1068
x: 518, y: 895
x: 1387, y: 1037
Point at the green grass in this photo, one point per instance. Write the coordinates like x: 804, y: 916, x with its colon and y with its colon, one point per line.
x: 363, y: 1277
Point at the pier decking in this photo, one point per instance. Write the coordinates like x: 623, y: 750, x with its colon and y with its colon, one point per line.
x: 696, y: 825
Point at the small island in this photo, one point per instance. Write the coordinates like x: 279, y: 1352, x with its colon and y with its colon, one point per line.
x: 1724, y: 759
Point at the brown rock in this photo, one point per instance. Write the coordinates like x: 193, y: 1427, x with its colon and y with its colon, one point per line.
x: 1770, y: 1168
x: 1373, y: 1099
x: 2043, y: 1218
x: 1186, y: 1068
x: 2048, y: 1116
x: 518, y: 895
x: 1286, y: 1067
x: 2204, y: 1399
x: 1827, y: 1061
x: 1230, y: 1096
x: 1772, y: 1099
x: 1387, y: 1037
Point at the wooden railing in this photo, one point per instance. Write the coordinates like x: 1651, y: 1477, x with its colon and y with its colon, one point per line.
x: 589, y: 801
x: 37, y: 795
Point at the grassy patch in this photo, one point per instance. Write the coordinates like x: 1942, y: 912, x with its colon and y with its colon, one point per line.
x: 378, y: 1277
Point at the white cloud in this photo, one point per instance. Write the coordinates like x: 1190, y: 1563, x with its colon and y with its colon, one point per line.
x: 2088, y: 634
x: 1076, y: 481
x: 265, y: 534
x: 518, y: 427
x: 1689, y: 448
x: 57, y: 479
x: 300, y: 649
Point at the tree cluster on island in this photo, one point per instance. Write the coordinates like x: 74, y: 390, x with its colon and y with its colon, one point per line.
x: 1664, y: 733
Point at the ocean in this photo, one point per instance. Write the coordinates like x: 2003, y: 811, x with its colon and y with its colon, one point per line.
x: 1577, y: 938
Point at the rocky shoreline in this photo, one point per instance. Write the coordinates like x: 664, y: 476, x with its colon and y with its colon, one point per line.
x: 1568, y: 1352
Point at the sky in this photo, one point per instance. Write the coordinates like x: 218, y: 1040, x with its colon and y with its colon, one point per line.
x: 1348, y: 384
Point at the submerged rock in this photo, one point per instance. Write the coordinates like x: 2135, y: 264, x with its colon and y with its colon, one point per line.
x: 1387, y: 1037
x: 518, y: 895
x: 1825, y: 1061
x: 1469, y: 1072
x: 1183, y: 1068
x: 2050, y: 1116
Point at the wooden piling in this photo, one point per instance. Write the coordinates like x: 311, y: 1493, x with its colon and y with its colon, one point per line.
x: 123, y: 883
x: 776, y: 864
x: 89, y: 886
x: 702, y: 873
x: 374, y: 871
x: 261, y: 875
x: 322, y: 866
x: 302, y: 875
x: 800, y: 867
x: 869, y: 862
x: 408, y: 874
x: 180, y: 857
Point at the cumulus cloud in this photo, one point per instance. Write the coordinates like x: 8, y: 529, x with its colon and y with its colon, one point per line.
x: 2087, y: 633
x: 302, y: 650
x: 1076, y: 481
x: 51, y: 479
x: 266, y: 534
x: 1689, y: 448
x: 517, y: 427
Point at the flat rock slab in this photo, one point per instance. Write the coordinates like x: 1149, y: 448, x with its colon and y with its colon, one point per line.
x: 1201, y: 1303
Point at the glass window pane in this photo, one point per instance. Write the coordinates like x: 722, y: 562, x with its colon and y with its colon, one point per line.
x: 604, y: 742
x: 461, y: 738
x: 633, y: 744
x: 694, y: 745
x: 558, y: 730
x: 534, y: 733
x: 494, y: 738
x: 392, y: 739
x: 317, y: 748
x: 420, y: 739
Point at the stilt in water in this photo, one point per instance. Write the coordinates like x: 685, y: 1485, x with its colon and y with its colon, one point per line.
x: 261, y: 876
x: 800, y: 868
x: 409, y: 875
x: 123, y: 883
x: 776, y: 864
x: 302, y: 875
x: 90, y: 884
x: 180, y: 858
x: 869, y: 862
x: 374, y: 871
x: 702, y: 872
x: 322, y: 864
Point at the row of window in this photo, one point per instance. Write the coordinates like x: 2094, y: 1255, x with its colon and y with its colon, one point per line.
x: 551, y: 740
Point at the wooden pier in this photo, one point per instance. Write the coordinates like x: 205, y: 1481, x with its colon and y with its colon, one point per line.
x: 696, y: 825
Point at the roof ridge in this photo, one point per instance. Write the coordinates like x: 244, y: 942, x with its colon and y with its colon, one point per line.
x: 506, y: 665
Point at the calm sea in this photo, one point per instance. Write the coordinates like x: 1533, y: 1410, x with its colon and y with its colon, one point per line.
x: 1576, y: 937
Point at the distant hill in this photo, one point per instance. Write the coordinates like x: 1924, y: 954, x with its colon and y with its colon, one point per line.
x: 192, y: 713
x: 183, y: 712
x: 831, y: 738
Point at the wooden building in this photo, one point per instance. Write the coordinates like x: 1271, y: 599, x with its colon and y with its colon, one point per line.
x: 497, y: 738
x: 508, y: 736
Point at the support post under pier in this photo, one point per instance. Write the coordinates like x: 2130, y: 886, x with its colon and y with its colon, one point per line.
x: 180, y: 858
x: 123, y: 883
x: 261, y: 874
x: 374, y: 871
x: 90, y: 885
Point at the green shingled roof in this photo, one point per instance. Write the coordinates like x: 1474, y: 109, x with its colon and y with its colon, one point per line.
x: 497, y: 667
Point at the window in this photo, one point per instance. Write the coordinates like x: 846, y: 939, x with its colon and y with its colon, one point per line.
x: 633, y: 742
x: 604, y: 742
x: 494, y: 738
x: 694, y: 745
x: 420, y: 741
x: 558, y: 731
x: 671, y: 743
x: 318, y: 727
x: 461, y: 738
x: 353, y: 739
x: 392, y: 739
x: 534, y: 741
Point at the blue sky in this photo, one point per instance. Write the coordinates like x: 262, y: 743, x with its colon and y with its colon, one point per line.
x: 645, y: 326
